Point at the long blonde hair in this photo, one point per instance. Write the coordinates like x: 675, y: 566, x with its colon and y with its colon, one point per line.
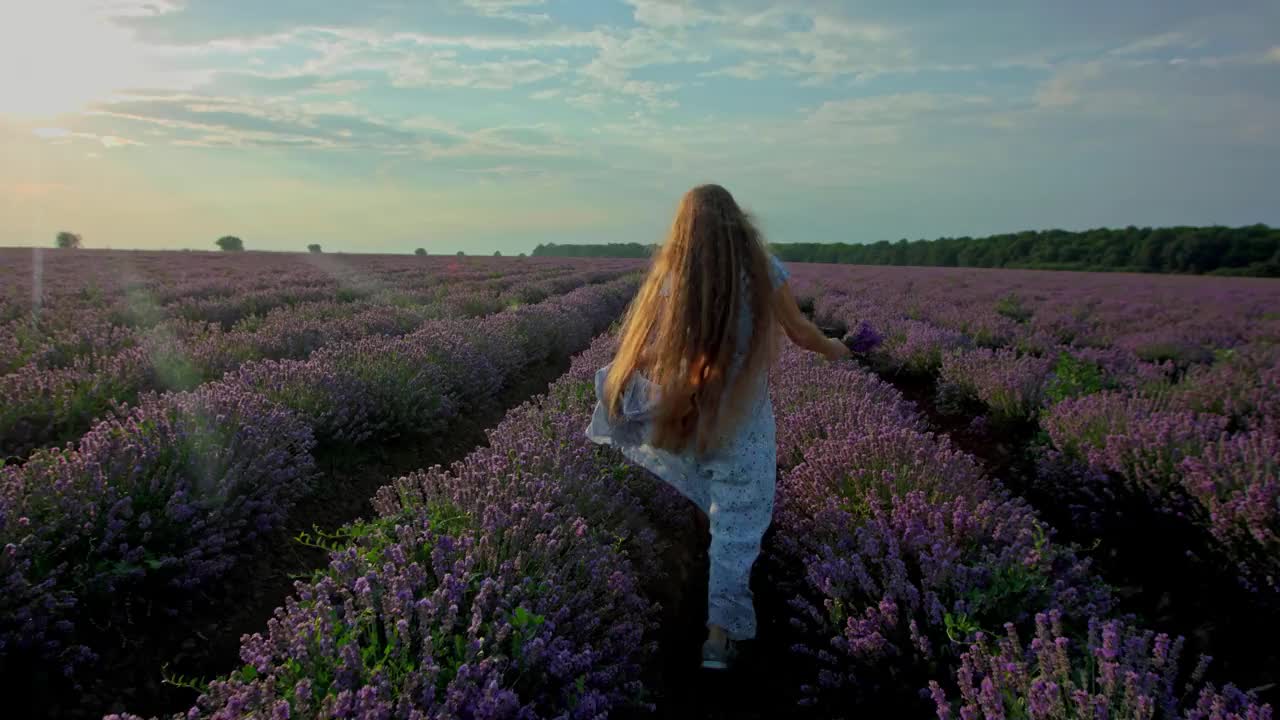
x: 683, y: 328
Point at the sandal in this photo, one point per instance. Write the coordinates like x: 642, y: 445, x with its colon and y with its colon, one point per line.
x: 718, y: 657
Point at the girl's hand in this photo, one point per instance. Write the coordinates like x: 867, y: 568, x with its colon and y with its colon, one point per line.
x: 836, y: 350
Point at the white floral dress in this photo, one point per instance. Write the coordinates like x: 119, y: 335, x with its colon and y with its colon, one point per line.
x: 734, y: 486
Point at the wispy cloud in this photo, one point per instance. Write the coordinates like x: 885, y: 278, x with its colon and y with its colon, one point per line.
x: 515, y: 10
x: 197, y: 120
x: 63, y: 135
x: 898, y: 108
x: 443, y: 69
x: 1063, y: 88
x: 125, y: 8
x: 669, y: 14
x: 1158, y: 42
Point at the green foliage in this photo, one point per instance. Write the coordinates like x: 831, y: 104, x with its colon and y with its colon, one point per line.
x: 1011, y: 307
x: 420, y: 252
x: 374, y: 537
x: 183, y: 681
x: 68, y: 240
x: 1249, y: 250
x: 1009, y: 588
x: 314, y: 248
x: 385, y: 649
x: 526, y: 626
x: 230, y: 243
x: 351, y: 294
x: 960, y: 627
x: 1073, y: 377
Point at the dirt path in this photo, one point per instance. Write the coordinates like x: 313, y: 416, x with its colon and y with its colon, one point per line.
x: 759, y: 686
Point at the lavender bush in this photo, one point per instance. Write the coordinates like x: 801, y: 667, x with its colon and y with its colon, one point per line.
x: 905, y: 546
x: 1132, y: 437
x: 1117, y: 671
x: 387, y: 386
x: 171, y: 494
x: 1009, y: 386
x: 1237, y: 481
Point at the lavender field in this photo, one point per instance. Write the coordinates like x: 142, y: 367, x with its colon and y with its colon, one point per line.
x: 1033, y: 495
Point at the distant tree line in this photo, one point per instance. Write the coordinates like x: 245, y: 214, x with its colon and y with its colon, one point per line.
x: 611, y: 250
x: 1249, y: 250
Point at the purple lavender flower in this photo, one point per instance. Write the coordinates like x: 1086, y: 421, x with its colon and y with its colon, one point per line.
x: 1121, y: 671
x: 864, y: 339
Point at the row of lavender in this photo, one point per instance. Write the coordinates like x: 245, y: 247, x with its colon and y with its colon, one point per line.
x: 163, y: 501
x: 921, y: 572
x: 38, y: 282
x: 87, y: 363
x: 1165, y: 388
x: 510, y: 585
x: 55, y: 306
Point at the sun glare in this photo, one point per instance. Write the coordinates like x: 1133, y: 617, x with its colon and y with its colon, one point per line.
x: 56, y: 56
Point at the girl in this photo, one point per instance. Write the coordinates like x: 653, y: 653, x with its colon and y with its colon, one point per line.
x: 687, y: 396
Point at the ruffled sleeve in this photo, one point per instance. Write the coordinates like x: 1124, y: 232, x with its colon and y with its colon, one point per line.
x: 635, y: 423
x: 778, y: 272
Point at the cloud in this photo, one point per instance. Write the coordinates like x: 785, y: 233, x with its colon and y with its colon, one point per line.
x: 896, y: 108
x: 1204, y: 102
x: 63, y: 135
x: 669, y: 14
x: 514, y: 10
x: 103, y: 57
x: 1157, y: 42
x: 113, y: 141
x: 1063, y: 89
x: 828, y: 26
x: 443, y: 69
x: 125, y: 8
x: 748, y: 70
x: 336, y: 87
x: 586, y: 101
x: 191, y: 119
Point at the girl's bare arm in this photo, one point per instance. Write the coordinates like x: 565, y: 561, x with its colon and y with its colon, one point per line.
x: 801, y: 330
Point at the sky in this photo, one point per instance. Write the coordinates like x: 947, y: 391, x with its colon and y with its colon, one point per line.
x: 482, y: 125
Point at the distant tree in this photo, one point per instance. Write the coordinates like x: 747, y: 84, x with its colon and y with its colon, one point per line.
x: 420, y: 252
x: 313, y: 248
x: 497, y: 253
x: 461, y: 254
x: 523, y: 255
x: 68, y: 240
x: 231, y: 243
